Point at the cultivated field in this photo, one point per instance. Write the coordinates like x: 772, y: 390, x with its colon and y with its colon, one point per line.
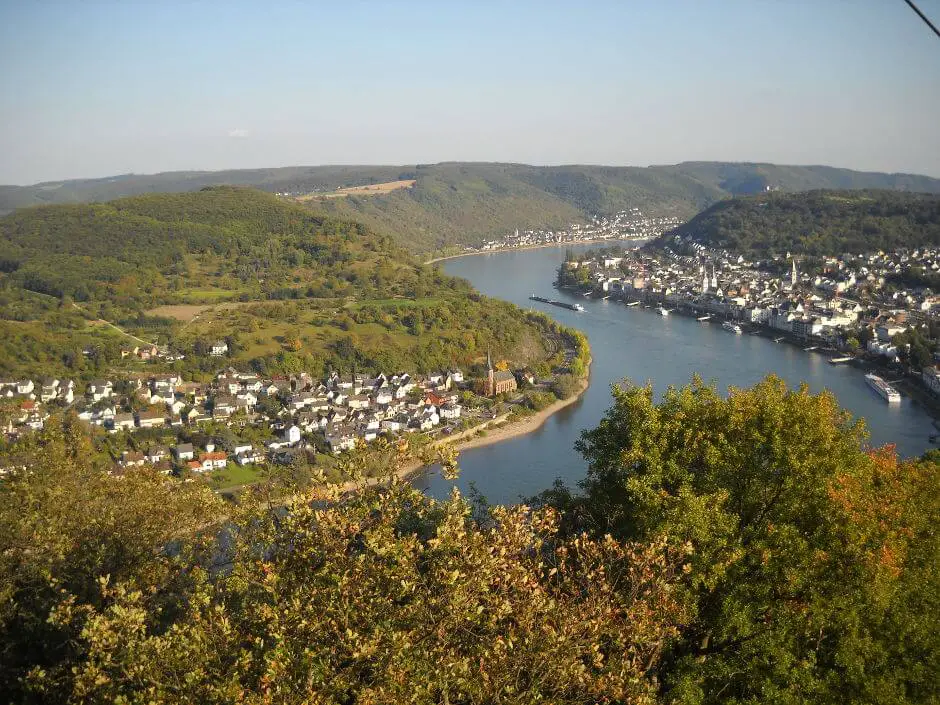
x: 181, y: 312
x: 366, y: 190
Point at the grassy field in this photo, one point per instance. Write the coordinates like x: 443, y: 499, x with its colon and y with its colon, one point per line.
x: 180, y: 312
x: 365, y: 190
x: 235, y: 475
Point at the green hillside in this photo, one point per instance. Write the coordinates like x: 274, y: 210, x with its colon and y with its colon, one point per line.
x: 454, y: 203
x: 819, y: 222
x: 287, y: 287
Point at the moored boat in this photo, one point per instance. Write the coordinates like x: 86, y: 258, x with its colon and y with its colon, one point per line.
x: 663, y: 311
x: 885, y: 390
x: 732, y: 327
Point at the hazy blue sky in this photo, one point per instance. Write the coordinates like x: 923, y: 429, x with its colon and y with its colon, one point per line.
x: 100, y: 88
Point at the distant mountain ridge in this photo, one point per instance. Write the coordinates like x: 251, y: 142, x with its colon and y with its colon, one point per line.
x: 457, y: 203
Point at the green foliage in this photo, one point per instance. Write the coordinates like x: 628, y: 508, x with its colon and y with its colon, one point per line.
x: 819, y: 222
x: 537, y: 401
x: 386, y: 596
x: 287, y: 289
x: 69, y: 532
x: 565, y: 386
x: 815, y: 569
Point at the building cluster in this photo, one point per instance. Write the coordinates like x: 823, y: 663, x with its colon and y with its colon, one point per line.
x: 343, y: 410
x: 625, y: 225
x: 849, y: 293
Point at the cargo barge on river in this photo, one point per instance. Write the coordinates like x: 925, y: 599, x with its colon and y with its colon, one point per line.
x: 555, y: 302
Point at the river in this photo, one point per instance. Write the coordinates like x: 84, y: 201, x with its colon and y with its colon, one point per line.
x: 640, y: 345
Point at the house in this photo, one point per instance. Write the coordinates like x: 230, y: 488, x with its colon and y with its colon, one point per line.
x: 450, y: 411
x: 99, y: 389
x: 249, y: 456
x: 393, y: 425
x: 132, y: 459
x: 25, y: 387
x: 49, y: 390
x: 150, y: 419
x: 156, y: 454
x: 122, y: 422
x: 219, y: 348
x: 340, y: 438
x: 67, y: 392
x: 184, y: 451
x: 358, y: 401
x: 292, y: 435
x: 215, y: 460
x: 223, y: 406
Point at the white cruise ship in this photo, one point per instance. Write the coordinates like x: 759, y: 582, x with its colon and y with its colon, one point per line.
x: 885, y: 390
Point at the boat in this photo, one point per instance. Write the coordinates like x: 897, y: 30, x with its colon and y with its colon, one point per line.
x: 840, y: 360
x: 777, y: 340
x: 732, y: 327
x: 704, y: 319
x: 555, y: 302
x: 885, y: 390
x: 663, y: 311
x: 810, y: 348
x: 633, y: 303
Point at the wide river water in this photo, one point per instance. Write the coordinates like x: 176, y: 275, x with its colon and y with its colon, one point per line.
x: 640, y: 345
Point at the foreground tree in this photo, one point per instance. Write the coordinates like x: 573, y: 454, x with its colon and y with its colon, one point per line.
x: 383, y: 597
x: 815, y: 569
x: 69, y: 530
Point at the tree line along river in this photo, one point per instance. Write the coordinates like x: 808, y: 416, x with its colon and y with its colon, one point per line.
x: 640, y: 345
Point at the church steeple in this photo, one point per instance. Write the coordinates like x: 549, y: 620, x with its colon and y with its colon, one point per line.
x: 793, y: 276
x: 490, y: 376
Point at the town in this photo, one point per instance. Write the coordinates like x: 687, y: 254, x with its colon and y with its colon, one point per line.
x: 878, y: 305
x: 263, y: 420
x: 624, y: 225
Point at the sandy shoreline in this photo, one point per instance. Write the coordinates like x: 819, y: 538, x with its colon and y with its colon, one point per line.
x: 533, y: 247
x: 498, y: 435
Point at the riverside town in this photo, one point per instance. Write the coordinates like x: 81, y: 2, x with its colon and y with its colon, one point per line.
x: 874, y: 308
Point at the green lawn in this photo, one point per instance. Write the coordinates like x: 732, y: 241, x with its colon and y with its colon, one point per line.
x: 235, y: 475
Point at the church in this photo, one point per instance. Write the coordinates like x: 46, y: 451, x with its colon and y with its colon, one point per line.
x: 497, y: 382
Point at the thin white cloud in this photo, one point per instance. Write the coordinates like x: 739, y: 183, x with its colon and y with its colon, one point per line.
x: 238, y: 132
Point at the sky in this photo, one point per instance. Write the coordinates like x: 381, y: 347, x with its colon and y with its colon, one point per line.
x: 93, y: 89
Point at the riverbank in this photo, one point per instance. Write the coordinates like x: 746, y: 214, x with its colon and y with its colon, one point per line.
x: 471, y: 438
x: 534, y: 247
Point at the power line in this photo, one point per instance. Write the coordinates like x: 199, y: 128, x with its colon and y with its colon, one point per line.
x: 923, y: 17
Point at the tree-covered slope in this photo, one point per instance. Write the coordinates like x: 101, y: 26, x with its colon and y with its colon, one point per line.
x: 288, y: 287
x: 458, y: 203
x: 818, y: 222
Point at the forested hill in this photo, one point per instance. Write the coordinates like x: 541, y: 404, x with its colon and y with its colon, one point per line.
x: 288, y: 288
x: 818, y: 222
x: 455, y: 203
